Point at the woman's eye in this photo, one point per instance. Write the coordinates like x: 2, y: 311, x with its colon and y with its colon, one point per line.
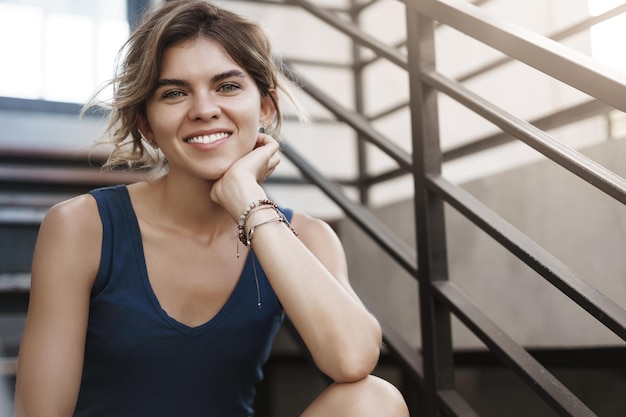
x: 228, y: 87
x: 172, y: 94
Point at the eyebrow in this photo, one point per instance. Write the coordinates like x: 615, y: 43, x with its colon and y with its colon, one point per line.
x: 177, y: 82
x: 228, y: 74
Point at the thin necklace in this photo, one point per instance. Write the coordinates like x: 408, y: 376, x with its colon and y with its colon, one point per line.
x: 256, y: 278
x: 256, y: 281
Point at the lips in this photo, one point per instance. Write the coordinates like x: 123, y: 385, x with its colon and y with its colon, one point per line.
x: 205, y: 139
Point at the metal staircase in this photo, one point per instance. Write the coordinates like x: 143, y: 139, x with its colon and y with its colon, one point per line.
x: 433, y: 368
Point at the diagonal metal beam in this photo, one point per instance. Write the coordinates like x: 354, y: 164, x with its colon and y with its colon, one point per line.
x: 550, y: 57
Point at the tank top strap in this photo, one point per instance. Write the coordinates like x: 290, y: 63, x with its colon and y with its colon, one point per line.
x: 112, y: 204
x: 287, y: 212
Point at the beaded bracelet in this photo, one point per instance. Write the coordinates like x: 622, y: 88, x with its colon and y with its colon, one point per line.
x: 246, y: 213
x: 246, y: 238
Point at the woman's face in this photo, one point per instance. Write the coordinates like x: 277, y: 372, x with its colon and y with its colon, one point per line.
x: 205, y: 111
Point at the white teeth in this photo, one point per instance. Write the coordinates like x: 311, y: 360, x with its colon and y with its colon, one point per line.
x: 208, y: 138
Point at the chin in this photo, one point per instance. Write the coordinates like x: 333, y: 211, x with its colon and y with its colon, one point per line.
x: 212, y: 175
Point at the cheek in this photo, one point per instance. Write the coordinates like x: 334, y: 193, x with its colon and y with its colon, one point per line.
x: 161, y: 122
x: 249, y: 109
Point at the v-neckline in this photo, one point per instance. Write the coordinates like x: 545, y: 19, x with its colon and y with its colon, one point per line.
x: 143, y: 268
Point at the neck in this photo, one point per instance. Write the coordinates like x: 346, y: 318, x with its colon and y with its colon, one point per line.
x: 187, y: 206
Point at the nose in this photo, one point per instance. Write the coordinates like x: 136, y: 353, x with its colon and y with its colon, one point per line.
x: 204, y: 107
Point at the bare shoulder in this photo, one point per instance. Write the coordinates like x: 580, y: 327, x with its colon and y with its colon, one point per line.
x: 313, y: 230
x: 323, y: 242
x: 77, y: 220
x: 70, y: 235
x: 81, y: 211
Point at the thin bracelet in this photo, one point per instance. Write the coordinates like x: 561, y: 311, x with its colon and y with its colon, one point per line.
x: 253, y: 228
x: 255, y: 210
x: 281, y: 218
x: 246, y: 213
x: 241, y: 235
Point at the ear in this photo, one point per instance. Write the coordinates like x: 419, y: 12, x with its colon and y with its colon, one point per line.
x: 144, y: 128
x: 268, y: 104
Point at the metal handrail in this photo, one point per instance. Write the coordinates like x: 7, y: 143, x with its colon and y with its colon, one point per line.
x: 585, y: 168
x: 562, y: 277
x: 536, y: 376
x: 354, y: 32
x: 557, y: 36
x: 357, y: 121
x: 561, y: 118
x: 572, y: 114
x: 560, y: 35
x: 378, y: 231
x: 550, y: 57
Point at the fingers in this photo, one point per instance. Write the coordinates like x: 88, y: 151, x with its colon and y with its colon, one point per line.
x: 272, y: 146
x: 256, y: 166
x: 271, y: 165
x: 267, y: 140
x: 274, y: 160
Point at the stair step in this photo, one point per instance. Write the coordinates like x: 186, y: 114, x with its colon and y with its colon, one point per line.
x: 14, y: 282
x: 8, y: 366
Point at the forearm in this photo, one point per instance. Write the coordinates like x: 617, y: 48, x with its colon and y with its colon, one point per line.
x: 343, y: 337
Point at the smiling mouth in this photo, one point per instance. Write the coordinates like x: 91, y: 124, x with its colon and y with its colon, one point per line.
x: 208, y: 138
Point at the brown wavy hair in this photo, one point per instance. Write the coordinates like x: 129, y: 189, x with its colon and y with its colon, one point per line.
x: 139, y: 61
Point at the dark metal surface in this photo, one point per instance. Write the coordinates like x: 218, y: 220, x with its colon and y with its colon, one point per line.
x: 454, y: 404
x: 371, y: 225
x: 357, y: 121
x: 435, y: 319
x: 354, y: 32
x: 590, y: 171
x: 572, y: 114
x: 558, y: 274
x: 535, y: 375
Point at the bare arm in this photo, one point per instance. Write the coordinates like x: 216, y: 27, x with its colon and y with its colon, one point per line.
x: 65, y: 263
x: 309, y: 276
x: 308, y: 273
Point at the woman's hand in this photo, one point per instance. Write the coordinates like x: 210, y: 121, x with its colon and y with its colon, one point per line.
x: 241, y: 184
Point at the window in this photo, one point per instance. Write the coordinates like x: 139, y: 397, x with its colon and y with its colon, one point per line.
x: 607, y: 38
x: 59, y: 50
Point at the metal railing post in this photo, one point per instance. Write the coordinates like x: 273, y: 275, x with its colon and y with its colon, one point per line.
x: 429, y: 215
x: 361, y: 149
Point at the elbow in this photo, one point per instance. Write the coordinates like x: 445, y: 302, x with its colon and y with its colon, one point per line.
x: 358, y: 361
x: 349, y: 357
x: 355, y: 364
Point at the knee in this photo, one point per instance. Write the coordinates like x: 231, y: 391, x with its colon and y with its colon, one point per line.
x: 378, y: 394
x: 370, y: 396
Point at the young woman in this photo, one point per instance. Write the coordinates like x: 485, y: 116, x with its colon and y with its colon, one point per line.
x: 162, y: 298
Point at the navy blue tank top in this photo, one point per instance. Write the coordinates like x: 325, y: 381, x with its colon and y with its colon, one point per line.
x: 141, y: 362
